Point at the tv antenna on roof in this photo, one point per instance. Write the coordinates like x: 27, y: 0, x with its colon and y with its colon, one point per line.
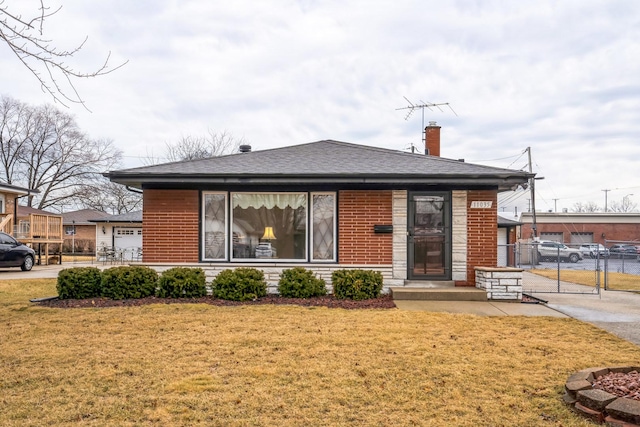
x: 430, y: 105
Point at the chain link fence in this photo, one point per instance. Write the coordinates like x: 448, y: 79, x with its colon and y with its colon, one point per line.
x: 550, y: 267
x: 622, y: 266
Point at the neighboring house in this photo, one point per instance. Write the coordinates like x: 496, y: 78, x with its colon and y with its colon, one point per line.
x: 39, y: 229
x: 325, y: 205
x: 42, y: 230
x: 579, y: 228
x: 507, y: 238
x: 79, y: 231
x: 8, y: 205
x: 122, y: 233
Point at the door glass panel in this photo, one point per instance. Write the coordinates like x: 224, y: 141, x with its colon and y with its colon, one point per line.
x: 428, y: 230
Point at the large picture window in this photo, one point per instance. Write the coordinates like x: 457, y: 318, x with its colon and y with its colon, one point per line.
x: 269, y: 226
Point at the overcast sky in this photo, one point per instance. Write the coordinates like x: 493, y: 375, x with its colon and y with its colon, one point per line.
x: 561, y: 77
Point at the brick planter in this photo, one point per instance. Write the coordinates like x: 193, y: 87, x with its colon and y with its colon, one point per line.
x: 599, y: 405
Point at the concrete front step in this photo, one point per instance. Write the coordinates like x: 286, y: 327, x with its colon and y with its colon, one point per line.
x: 429, y: 283
x: 438, y: 294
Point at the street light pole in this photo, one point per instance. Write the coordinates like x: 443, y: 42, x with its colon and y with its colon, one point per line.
x: 605, y: 199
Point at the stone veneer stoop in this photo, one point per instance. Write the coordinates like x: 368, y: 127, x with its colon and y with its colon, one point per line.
x: 500, y: 283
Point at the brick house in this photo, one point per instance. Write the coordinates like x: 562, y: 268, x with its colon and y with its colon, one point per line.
x: 325, y: 205
x: 80, y: 231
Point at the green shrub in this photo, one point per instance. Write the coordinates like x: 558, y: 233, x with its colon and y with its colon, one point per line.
x: 299, y: 282
x: 79, y: 282
x: 182, y: 282
x: 129, y: 282
x: 240, y: 284
x: 356, y: 284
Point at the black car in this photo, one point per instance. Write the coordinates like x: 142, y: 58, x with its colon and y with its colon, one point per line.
x: 15, y: 254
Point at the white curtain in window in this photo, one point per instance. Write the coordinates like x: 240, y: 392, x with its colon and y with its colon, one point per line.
x: 269, y: 201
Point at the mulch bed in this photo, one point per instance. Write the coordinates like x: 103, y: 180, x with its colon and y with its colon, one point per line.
x: 382, y: 302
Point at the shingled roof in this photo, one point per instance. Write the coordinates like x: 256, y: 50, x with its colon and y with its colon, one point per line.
x: 322, y: 162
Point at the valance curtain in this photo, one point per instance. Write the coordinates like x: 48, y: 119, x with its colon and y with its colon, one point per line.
x: 269, y: 201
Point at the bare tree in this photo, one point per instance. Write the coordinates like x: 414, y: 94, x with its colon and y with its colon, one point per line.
x: 26, y: 38
x: 588, y: 207
x: 626, y: 205
x: 199, y: 147
x: 109, y: 197
x: 43, y: 148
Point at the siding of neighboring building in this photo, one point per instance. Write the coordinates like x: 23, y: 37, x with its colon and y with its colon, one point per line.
x: 600, y: 227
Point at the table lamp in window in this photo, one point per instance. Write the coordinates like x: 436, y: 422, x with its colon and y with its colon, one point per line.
x: 268, y: 234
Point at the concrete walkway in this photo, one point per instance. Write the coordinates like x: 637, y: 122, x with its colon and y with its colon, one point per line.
x: 617, y: 312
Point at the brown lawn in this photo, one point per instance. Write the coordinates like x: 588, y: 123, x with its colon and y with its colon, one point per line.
x: 617, y: 281
x: 191, y: 364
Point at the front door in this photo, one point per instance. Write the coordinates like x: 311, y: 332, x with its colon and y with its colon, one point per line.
x: 429, y: 236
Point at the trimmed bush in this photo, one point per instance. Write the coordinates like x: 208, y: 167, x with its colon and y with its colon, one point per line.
x: 129, y: 282
x: 182, y: 282
x: 356, y: 284
x: 79, y: 283
x: 240, y: 284
x: 299, y: 282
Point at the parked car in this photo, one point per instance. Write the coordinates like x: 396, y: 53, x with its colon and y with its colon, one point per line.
x: 550, y: 251
x: 15, y: 254
x: 593, y: 250
x: 623, y: 250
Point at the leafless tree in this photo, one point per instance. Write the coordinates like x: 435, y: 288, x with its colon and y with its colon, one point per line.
x: 199, y: 147
x: 625, y: 205
x: 42, y: 148
x: 109, y: 197
x: 26, y: 38
x: 588, y: 207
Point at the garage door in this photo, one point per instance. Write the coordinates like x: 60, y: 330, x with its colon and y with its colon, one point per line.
x: 580, y: 238
x: 556, y: 237
x: 128, y: 240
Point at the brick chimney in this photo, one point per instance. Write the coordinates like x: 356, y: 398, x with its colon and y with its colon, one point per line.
x: 432, y: 139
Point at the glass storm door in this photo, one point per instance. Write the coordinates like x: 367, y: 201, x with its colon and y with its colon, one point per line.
x: 429, y: 236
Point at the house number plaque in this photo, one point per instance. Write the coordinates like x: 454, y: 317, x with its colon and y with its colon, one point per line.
x: 479, y: 204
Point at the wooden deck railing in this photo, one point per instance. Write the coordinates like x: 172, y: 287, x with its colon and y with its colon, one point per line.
x: 40, y: 228
x: 6, y: 223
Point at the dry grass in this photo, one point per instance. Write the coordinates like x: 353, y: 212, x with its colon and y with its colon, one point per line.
x: 617, y: 281
x: 286, y: 366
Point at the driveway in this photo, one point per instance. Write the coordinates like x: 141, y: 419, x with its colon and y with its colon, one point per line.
x: 43, y: 271
x: 617, y: 312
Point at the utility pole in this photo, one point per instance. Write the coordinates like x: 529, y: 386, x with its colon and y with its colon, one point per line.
x: 605, y: 199
x: 532, y: 186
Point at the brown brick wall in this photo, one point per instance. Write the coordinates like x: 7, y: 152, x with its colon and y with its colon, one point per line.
x: 84, y: 240
x: 170, y: 219
x: 622, y: 232
x: 358, y: 212
x: 482, y: 233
